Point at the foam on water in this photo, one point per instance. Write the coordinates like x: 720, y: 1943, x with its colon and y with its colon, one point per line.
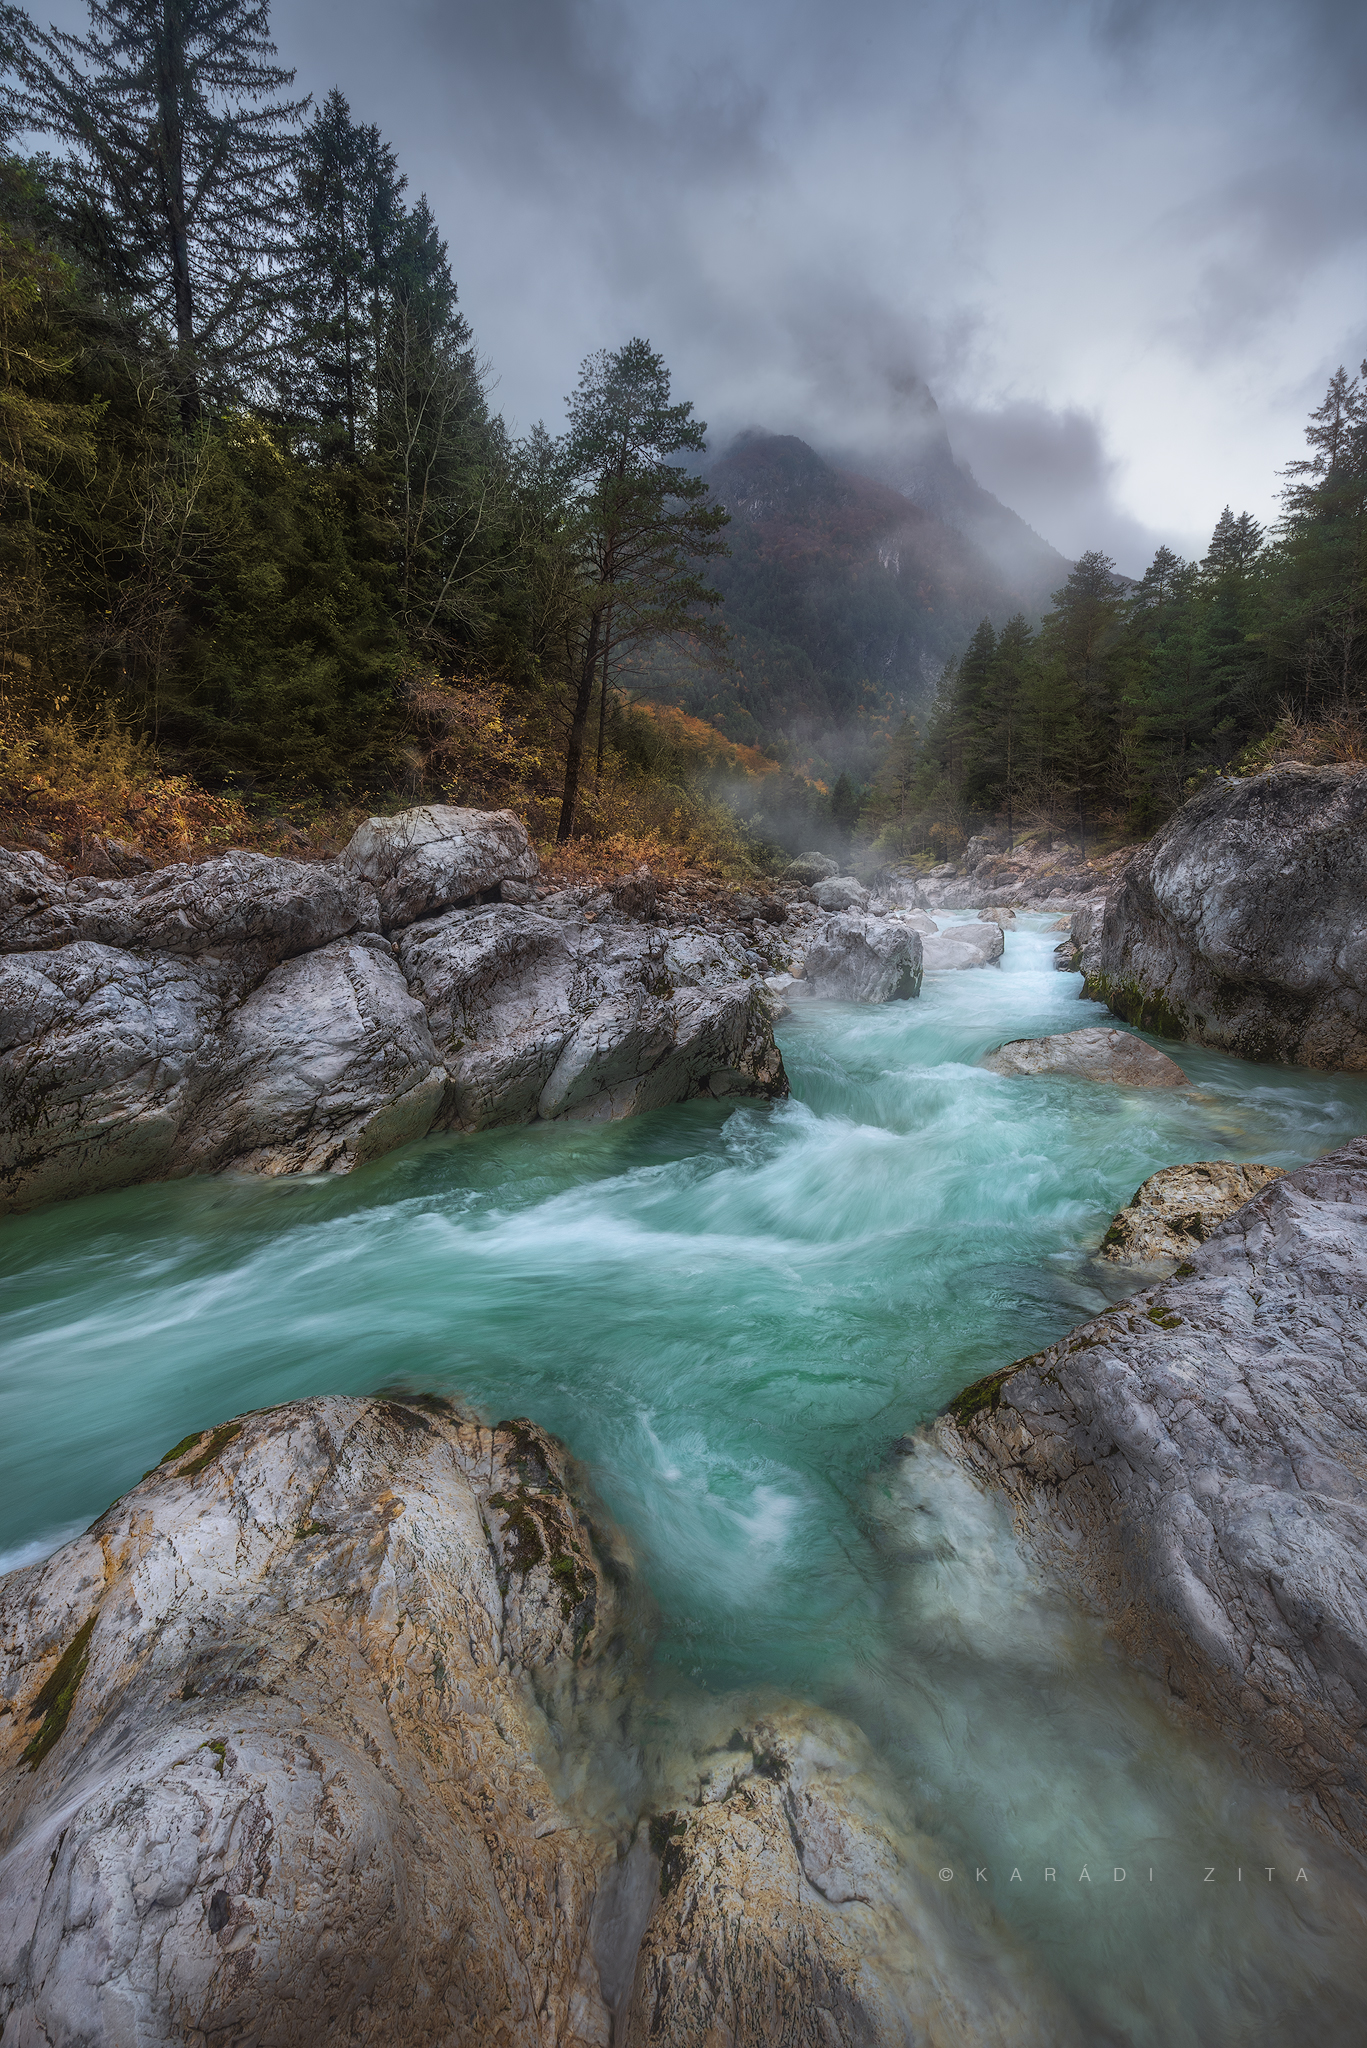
x: 731, y: 1314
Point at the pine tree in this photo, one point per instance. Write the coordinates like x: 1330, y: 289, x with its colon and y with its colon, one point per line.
x: 351, y: 218
x: 179, y: 171
x: 639, y: 526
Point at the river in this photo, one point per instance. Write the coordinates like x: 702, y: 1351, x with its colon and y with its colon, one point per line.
x: 731, y: 1313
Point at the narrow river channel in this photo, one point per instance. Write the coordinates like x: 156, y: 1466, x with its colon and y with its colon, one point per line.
x: 731, y: 1314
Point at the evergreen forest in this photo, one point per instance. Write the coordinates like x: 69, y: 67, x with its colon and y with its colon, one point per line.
x: 269, y: 556
x: 1101, y: 718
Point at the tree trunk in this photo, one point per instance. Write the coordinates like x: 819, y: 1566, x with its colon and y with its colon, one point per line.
x: 574, y: 753
x: 603, y: 700
x: 170, y: 87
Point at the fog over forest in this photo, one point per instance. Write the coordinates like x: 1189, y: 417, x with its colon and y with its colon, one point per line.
x: 1123, y: 243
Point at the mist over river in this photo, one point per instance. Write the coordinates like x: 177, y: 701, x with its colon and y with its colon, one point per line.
x: 731, y: 1314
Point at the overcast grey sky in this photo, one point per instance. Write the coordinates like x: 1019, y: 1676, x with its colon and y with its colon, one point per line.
x: 1124, y: 243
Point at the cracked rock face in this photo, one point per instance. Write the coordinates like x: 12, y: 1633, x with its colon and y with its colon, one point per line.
x: 429, y: 859
x: 293, y: 1753
x: 796, y: 1907
x: 1243, y: 924
x: 1179, y: 1206
x: 547, y: 1017
x: 1194, y: 1462
x: 285, y: 1788
x: 859, y: 959
x: 246, y: 1014
x: 1095, y: 1053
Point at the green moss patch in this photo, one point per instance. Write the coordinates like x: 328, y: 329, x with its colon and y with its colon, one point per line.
x: 984, y: 1396
x: 57, y: 1695
x: 219, y: 1440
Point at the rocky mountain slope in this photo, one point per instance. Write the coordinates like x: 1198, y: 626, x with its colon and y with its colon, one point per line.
x: 845, y: 594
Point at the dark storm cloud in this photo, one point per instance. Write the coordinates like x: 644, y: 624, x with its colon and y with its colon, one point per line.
x: 1122, y: 240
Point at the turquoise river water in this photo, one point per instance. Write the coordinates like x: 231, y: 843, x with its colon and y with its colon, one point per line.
x: 731, y: 1313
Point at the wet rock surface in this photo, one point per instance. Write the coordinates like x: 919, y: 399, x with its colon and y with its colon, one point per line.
x: 964, y: 945
x: 1194, y: 1463
x: 1095, y: 1053
x: 439, y: 855
x: 298, y: 1749
x: 270, y: 1767
x: 857, y: 959
x: 248, y: 1014
x: 539, y: 1016
x: 1243, y: 924
x: 1179, y: 1206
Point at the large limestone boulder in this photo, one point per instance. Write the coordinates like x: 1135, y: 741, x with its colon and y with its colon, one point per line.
x: 103, y: 1053
x: 1243, y: 924
x: 328, y: 1063
x: 840, y: 892
x: 810, y: 868
x: 329, y: 1732
x: 1180, y: 1206
x: 246, y: 1014
x: 272, y: 1768
x: 428, y: 859
x: 237, y: 914
x: 854, y: 959
x: 1194, y: 1462
x: 965, y: 945
x: 1096, y: 1053
x: 546, y: 1017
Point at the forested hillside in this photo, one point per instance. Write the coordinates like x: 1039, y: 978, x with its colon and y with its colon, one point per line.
x: 845, y: 599
x: 264, y: 547
x: 1129, y: 696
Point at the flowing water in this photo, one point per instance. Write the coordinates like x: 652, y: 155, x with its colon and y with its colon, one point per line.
x: 731, y: 1313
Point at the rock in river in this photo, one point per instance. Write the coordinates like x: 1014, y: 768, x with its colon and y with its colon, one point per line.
x: 1094, y: 1054
x: 855, y: 959
x: 1180, y: 1206
x: 1243, y: 924
x: 536, y: 1016
x: 1195, y: 1463
x: 292, y: 1750
x: 965, y: 945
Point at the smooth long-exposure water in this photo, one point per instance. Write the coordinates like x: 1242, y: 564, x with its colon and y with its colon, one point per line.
x: 731, y: 1313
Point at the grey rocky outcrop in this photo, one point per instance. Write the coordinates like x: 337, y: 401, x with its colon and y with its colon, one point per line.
x: 1194, y: 1463
x: 541, y: 1017
x: 964, y: 945
x: 840, y: 892
x: 324, y: 1733
x: 857, y: 959
x: 271, y: 1767
x: 248, y: 1013
x: 437, y: 856
x: 1096, y: 1053
x: 1180, y: 1206
x: 1243, y: 924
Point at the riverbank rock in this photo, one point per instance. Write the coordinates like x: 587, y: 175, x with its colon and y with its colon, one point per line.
x: 964, y: 945
x: 1243, y: 924
x: 794, y: 1907
x: 1180, y: 1206
x: 270, y: 1770
x: 245, y: 1013
x: 854, y: 959
x: 840, y: 892
x: 1194, y: 1463
x: 1092, y: 1054
x: 328, y: 1063
x: 543, y: 1017
x: 322, y: 1735
x: 436, y: 856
